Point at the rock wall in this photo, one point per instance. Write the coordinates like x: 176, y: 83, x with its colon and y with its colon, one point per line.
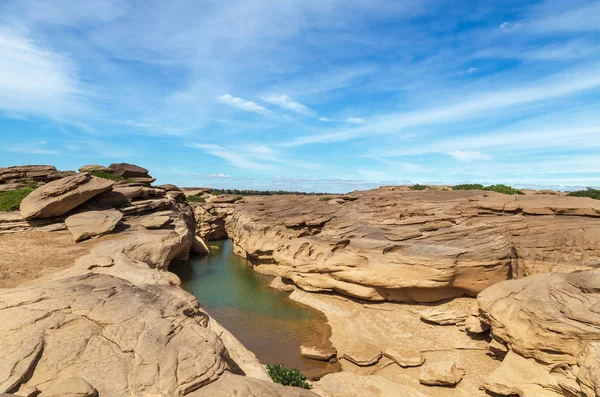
x: 386, y: 244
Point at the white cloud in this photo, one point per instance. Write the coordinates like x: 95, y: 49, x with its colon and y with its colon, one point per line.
x: 31, y: 148
x: 285, y: 102
x: 35, y: 80
x: 509, y: 26
x: 354, y: 120
x: 326, y: 119
x: 472, y: 70
x: 468, y: 156
x: 243, y: 104
x: 237, y: 158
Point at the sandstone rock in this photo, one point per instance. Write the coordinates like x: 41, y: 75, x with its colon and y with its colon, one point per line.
x: 129, y: 170
x: 169, y: 187
x: 279, y: 285
x: 474, y: 325
x: 38, y: 173
x: 11, y: 222
x: 588, y: 375
x: 363, y: 354
x: 210, y: 221
x: 199, y: 246
x: 345, y: 384
x: 94, y: 167
x: 72, y: 387
x: 549, y: 317
x: 444, y: 317
x: 440, y: 373
x: 233, y: 385
x: 144, y: 180
x: 318, y: 353
x: 92, y: 223
x: 142, y: 206
x: 60, y: 196
x: 426, y: 246
x: 405, y: 357
x: 156, y: 221
x: 223, y: 199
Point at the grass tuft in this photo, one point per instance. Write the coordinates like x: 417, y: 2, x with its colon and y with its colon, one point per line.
x: 504, y: 189
x: 106, y: 175
x: 11, y: 199
x: 325, y: 198
x: 469, y: 186
x: 287, y: 376
x: 418, y: 187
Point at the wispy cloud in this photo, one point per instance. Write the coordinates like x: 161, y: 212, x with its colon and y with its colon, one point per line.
x: 285, y: 102
x: 468, y: 156
x: 351, y: 120
x: 238, y: 158
x: 32, y: 148
x: 240, y: 103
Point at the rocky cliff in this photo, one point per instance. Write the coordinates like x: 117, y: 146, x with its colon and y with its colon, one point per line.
x: 393, y: 245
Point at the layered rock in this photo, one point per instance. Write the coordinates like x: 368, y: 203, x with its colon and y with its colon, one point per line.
x: 17, y: 177
x: 59, y: 197
x: 92, y: 223
x: 387, y: 244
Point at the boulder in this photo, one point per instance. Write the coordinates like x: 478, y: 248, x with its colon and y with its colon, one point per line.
x: 58, y: 197
x: 234, y: 385
x: 199, y: 246
x: 92, y: 223
x: 38, y: 173
x: 440, y: 373
x: 169, y: 187
x: 129, y: 170
x: 278, y: 284
x: 139, y: 207
x: 72, y: 387
x: 444, y: 317
x: 404, y: 357
x: 363, y: 354
x: 94, y: 167
x: 318, y: 353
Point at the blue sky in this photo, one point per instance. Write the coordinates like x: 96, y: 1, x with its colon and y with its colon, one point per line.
x: 326, y: 95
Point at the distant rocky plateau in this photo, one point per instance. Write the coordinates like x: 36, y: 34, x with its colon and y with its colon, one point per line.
x: 427, y: 293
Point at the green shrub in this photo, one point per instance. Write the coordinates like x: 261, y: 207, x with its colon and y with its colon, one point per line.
x: 238, y: 198
x: 11, y: 199
x: 287, y: 376
x: 469, y: 186
x: 589, y: 192
x: 195, y: 199
x: 418, y: 187
x: 106, y: 175
x: 504, y: 189
x: 325, y: 198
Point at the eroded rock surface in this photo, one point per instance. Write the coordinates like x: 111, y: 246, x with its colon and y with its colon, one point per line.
x: 59, y: 197
x: 388, y: 244
x: 92, y: 223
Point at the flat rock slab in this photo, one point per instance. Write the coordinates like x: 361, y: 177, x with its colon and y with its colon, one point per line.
x: 405, y: 357
x: 92, y: 223
x: 156, y: 221
x: 61, y: 196
x: 444, y: 317
x: 363, y: 354
x: 440, y: 373
x: 128, y: 170
x: 318, y: 353
x: 346, y: 384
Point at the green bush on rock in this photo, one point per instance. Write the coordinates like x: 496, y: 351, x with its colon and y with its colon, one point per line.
x: 195, y: 199
x: 106, y: 175
x: 418, y: 187
x: 11, y: 199
x: 469, y: 186
x: 499, y: 188
x: 287, y: 376
x: 589, y: 192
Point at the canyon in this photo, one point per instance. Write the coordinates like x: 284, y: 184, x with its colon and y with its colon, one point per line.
x: 427, y: 293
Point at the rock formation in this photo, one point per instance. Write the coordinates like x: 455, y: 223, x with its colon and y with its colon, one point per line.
x: 385, y: 244
x: 17, y: 177
x: 113, y: 321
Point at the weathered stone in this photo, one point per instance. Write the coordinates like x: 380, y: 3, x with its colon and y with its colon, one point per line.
x: 156, y: 221
x: 405, y: 357
x: 199, y: 246
x: 363, y: 354
x: 40, y: 174
x: 169, y: 187
x: 72, y: 387
x: 233, y: 385
x: 58, y: 197
x: 139, y: 207
x: 94, y: 167
x: 129, y: 170
x: 318, y: 353
x: 444, y: 317
x: 345, y: 384
x: 588, y: 375
x: 474, y: 325
x: 279, y: 285
x: 440, y: 373
x: 92, y: 223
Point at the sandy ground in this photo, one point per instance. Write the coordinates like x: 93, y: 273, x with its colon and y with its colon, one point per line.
x: 27, y: 257
x: 399, y: 325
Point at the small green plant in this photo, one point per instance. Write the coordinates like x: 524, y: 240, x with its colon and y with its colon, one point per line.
x: 504, y: 189
x: 11, y: 199
x: 287, y: 376
x: 418, y: 187
x: 469, y: 186
x: 238, y: 198
x: 589, y: 192
x: 325, y: 198
x: 106, y: 175
x: 195, y: 199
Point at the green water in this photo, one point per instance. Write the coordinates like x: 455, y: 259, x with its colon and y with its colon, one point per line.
x: 265, y: 320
